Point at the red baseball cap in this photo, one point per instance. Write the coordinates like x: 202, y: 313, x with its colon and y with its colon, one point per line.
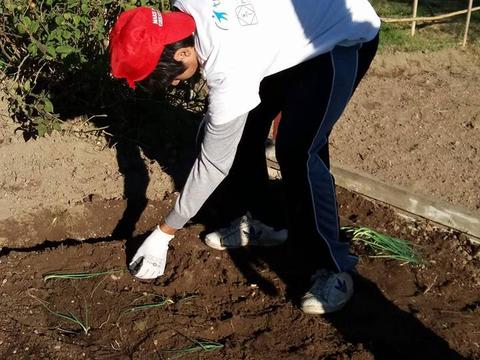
x: 138, y: 38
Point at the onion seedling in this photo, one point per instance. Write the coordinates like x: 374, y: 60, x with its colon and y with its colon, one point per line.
x: 384, y: 246
x: 198, y: 345
x: 80, y: 275
x: 69, y: 316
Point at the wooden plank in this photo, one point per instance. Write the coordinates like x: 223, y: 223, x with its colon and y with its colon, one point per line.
x: 435, y: 210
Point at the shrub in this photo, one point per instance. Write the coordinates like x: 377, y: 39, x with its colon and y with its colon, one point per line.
x: 58, y: 50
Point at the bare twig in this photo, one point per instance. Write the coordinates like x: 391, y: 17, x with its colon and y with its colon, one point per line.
x: 431, y: 285
x: 17, y: 74
x: 106, y: 321
x: 38, y: 74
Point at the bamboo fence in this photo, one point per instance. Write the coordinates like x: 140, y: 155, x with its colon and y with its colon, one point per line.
x: 414, y: 19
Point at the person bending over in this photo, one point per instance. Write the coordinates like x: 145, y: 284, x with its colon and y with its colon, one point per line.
x: 303, y: 58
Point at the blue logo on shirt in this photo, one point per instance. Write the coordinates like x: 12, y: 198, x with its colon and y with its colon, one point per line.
x: 219, y: 15
x: 244, y: 11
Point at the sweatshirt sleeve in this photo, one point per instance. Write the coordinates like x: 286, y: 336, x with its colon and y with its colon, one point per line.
x: 212, y: 165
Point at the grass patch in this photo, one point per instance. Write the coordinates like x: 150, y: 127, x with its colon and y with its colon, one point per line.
x: 384, y: 246
x: 429, y: 36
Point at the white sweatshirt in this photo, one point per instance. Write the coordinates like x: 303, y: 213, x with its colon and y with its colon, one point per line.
x: 239, y: 42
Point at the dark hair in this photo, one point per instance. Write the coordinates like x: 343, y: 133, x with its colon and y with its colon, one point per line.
x: 167, y: 68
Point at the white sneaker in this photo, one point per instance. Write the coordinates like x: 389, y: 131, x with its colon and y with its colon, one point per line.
x: 329, y: 293
x: 245, y: 231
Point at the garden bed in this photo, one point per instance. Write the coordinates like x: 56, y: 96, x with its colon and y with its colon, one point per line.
x: 414, y: 123
x: 244, y: 300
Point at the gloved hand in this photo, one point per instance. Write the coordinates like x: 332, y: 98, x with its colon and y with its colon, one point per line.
x: 150, y: 259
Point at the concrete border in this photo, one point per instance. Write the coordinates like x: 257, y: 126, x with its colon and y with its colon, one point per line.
x: 435, y: 210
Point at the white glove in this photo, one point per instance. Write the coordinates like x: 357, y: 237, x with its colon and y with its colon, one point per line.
x: 150, y: 259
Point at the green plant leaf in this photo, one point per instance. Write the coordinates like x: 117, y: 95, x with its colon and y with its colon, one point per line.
x: 26, y: 21
x: 48, y: 105
x: 59, y: 20
x: 34, y: 25
x: 26, y: 85
x: 32, y: 49
x: 66, y: 35
x: 21, y: 29
x: 51, y: 51
x: 41, y: 129
x: 9, y: 6
x: 76, y: 19
x: 65, y: 49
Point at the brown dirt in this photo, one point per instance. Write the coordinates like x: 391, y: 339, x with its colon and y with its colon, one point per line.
x: 243, y: 300
x: 415, y: 122
x: 61, y: 175
x: 72, y: 186
x: 61, y: 170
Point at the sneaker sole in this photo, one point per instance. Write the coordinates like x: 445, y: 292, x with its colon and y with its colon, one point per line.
x: 315, y: 310
x: 217, y: 246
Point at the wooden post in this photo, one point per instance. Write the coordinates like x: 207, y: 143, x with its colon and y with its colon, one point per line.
x: 414, y: 23
x: 467, y: 25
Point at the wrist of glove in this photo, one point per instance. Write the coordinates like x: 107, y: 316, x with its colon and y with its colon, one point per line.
x: 151, y: 257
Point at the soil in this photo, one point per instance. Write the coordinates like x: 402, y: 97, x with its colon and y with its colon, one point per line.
x: 78, y: 202
x: 415, y: 122
x: 59, y: 172
x: 245, y: 300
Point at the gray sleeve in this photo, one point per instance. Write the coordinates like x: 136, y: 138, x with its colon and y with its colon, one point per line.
x: 212, y: 165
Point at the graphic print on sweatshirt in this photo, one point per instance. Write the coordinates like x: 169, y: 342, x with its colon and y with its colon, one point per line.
x: 219, y: 15
x: 244, y: 11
